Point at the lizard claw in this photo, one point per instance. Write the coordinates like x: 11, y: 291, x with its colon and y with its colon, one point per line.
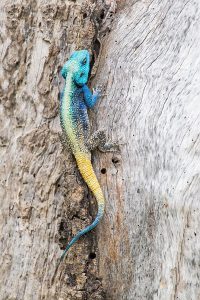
x: 97, y: 93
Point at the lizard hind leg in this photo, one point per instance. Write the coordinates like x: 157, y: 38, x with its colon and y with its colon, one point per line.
x: 98, y: 140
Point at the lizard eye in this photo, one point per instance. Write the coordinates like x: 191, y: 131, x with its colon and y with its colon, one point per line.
x: 84, y: 61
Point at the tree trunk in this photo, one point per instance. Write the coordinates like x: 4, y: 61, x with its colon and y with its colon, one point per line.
x: 148, y: 63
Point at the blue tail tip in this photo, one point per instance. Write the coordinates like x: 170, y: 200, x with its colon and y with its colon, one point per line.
x: 63, y: 255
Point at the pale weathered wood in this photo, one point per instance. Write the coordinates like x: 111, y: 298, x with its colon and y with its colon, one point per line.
x: 148, y: 241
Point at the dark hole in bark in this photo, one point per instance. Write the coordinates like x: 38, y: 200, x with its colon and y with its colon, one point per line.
x: 61, y: 227
x: 97, y: 47
x: 102, y: 14
x: 103, y: 170
x: 115, y: 160
x: 91, y: 63
x: 92, y: 255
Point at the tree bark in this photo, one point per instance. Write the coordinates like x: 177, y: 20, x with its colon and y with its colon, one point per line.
x: 148, y: 63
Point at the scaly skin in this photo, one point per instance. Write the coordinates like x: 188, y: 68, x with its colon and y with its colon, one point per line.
x: 76, y: 98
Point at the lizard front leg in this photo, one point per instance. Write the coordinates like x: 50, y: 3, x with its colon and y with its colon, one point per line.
x: 98, y: 140
x: 90, y: 99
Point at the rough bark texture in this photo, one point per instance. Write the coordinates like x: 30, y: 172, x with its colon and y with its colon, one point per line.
x: 43, y: 199
x: 148, y: 242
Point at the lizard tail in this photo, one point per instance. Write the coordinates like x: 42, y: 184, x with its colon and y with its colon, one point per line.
x: 87, y: 172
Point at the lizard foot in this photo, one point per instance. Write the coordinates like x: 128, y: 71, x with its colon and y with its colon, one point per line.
x: 98, y: 140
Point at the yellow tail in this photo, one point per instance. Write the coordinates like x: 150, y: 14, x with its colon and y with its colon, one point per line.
x: 87, y: 172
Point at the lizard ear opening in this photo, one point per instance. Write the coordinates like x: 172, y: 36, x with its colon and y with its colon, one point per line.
x: 65, y: 68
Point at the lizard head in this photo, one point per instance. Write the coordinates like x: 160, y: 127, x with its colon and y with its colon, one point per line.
x: 78, y: 66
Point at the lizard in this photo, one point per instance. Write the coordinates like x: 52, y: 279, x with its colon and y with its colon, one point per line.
x: 76, y: 99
